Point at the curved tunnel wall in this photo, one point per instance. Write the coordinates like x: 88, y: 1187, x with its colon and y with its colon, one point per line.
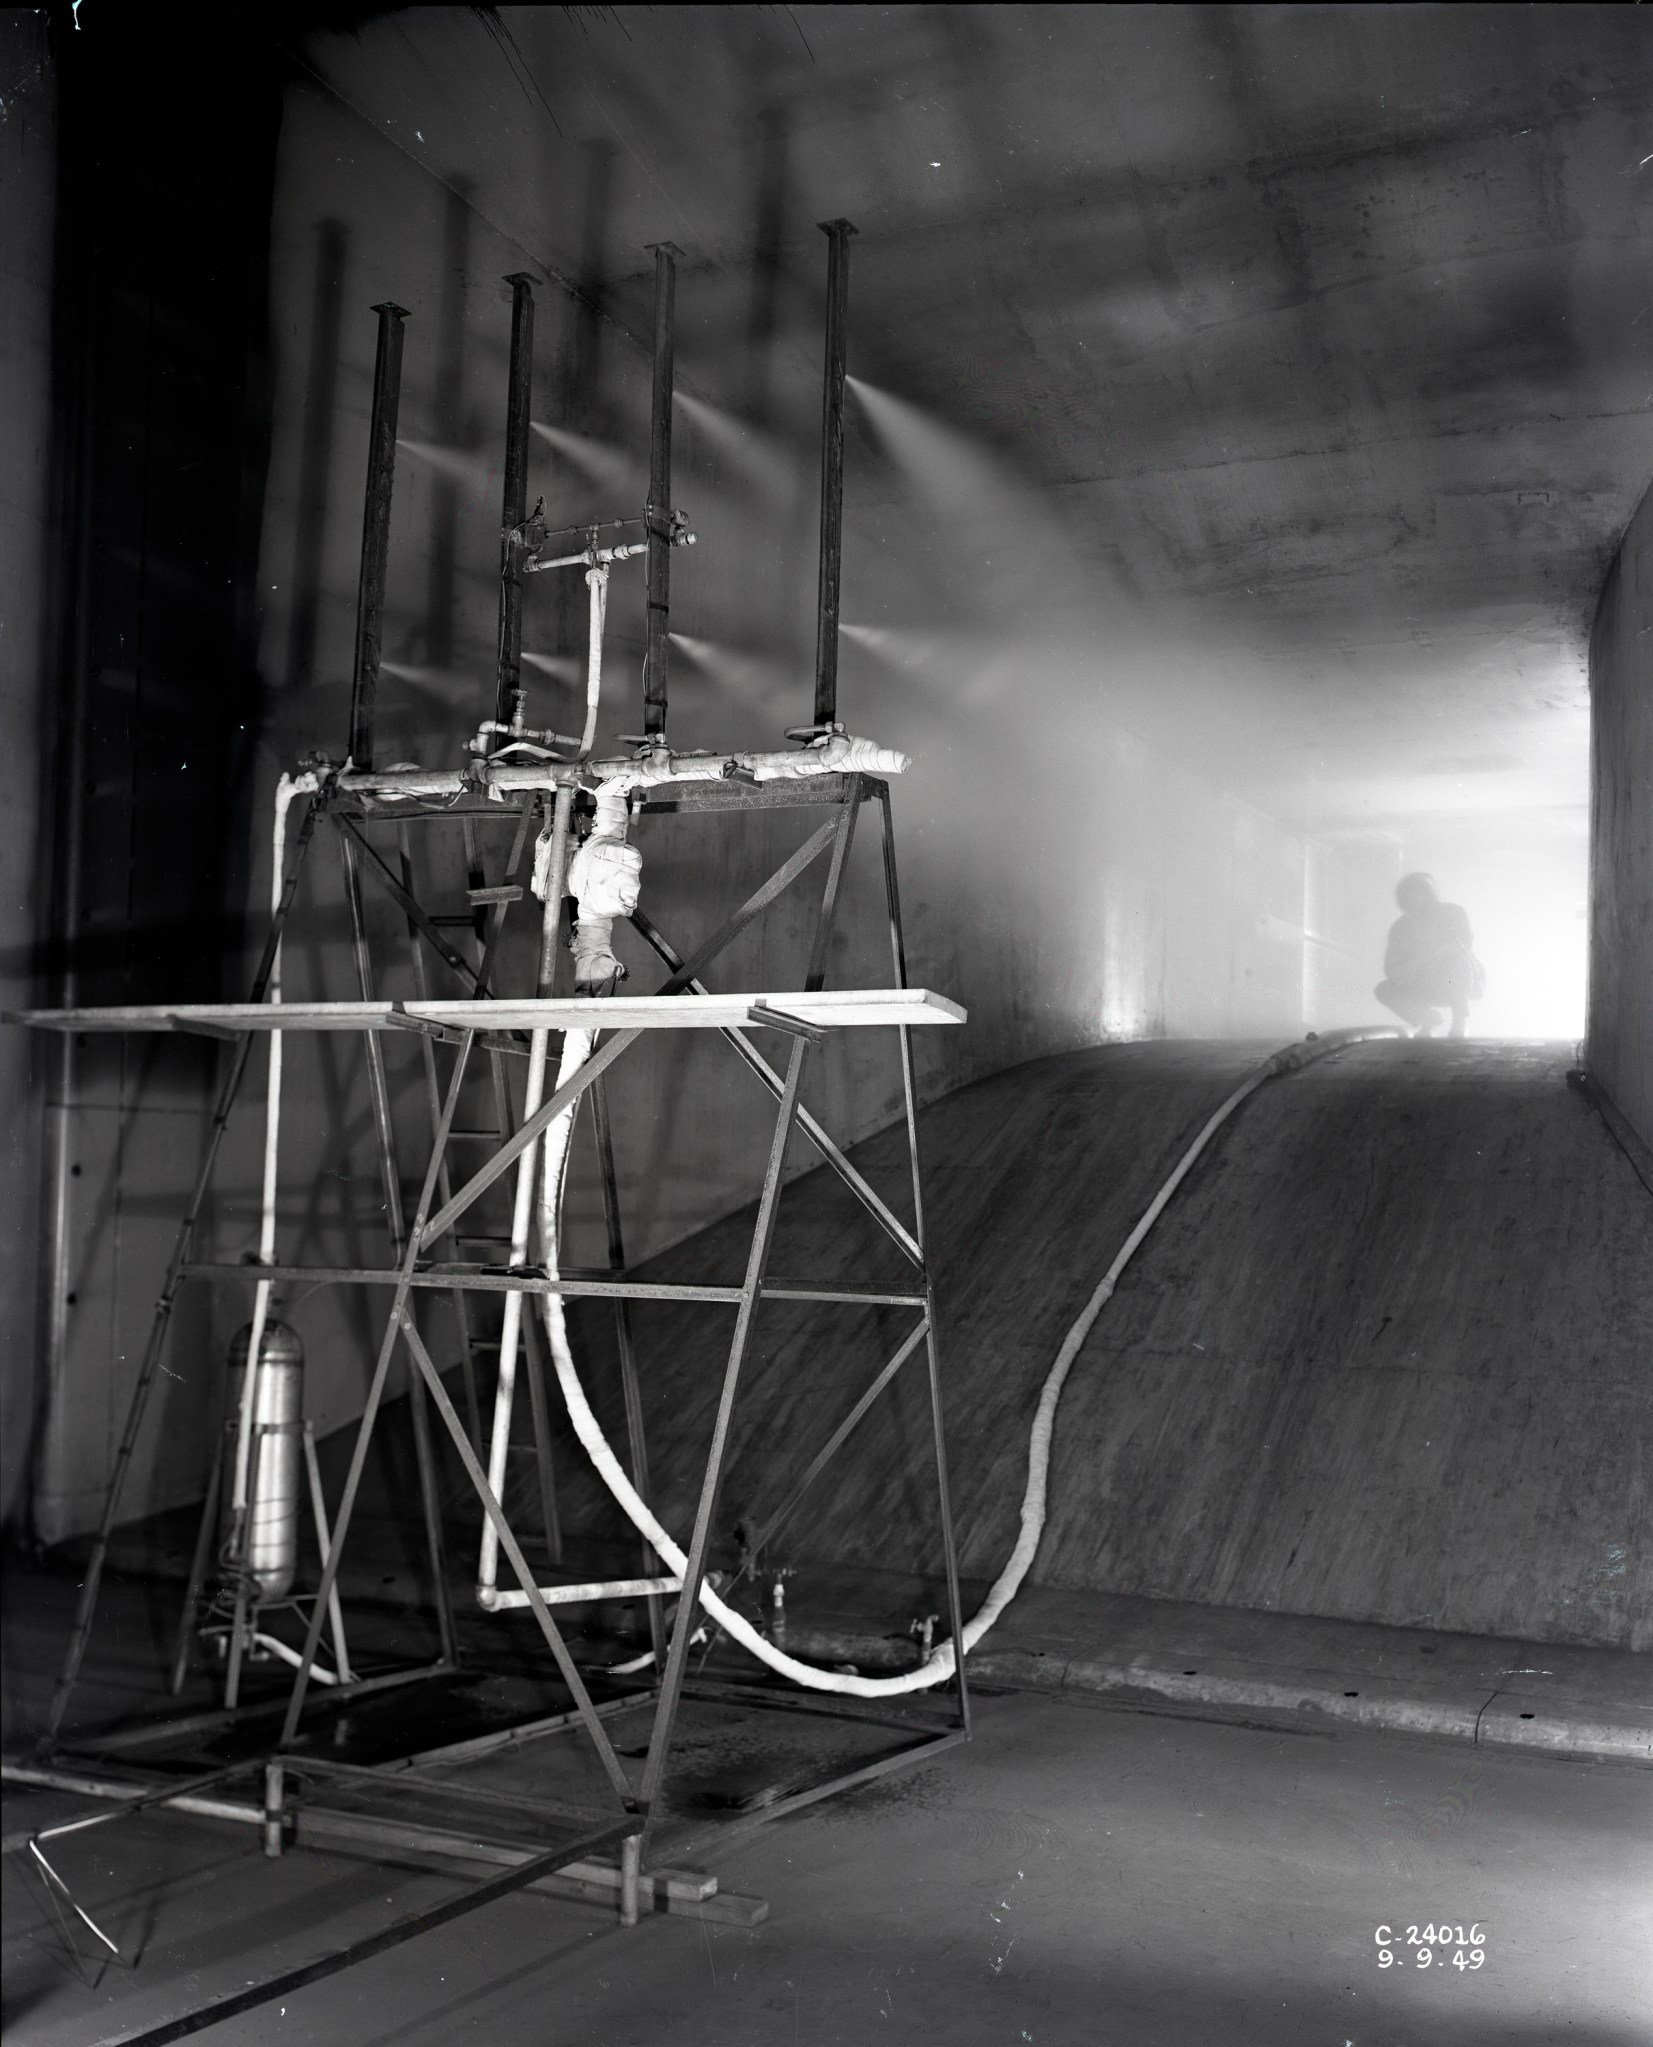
x: 1382, y: 1359
x: 1619, y: 1042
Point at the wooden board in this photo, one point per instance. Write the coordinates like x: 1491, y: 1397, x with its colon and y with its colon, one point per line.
x: 829, y: 1009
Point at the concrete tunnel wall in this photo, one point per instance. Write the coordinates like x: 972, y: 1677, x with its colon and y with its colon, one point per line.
x: 1619, y: 1038
x: 1116, y: 894
x: 1095, y: 889
x: 26, y: 216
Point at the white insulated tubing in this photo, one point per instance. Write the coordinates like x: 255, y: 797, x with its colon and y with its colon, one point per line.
x: 510, y: 1330
x: 596, y: 578
x: 940, y: 1666
x: 286, y: 789
x: 522, y: 1213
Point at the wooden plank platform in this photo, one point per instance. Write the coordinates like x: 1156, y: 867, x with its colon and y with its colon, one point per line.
x: 826, y: 1009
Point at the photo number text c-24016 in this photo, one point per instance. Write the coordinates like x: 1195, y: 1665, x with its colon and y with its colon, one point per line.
x: 1437, y: 1945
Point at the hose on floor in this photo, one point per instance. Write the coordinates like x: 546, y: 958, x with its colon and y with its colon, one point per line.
x: 939, y: 1666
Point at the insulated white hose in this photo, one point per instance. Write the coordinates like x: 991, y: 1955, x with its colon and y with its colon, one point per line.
x: 319, y: 1673
x: 605, y: 878
x: 597, y: 583
x: 510, y: 1332
x: 289, y: 787
x: 938, y: 1667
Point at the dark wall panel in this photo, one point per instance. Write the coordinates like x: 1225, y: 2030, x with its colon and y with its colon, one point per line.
x: 1620, y: 1040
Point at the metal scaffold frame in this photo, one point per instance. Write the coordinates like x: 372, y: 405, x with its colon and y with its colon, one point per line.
x: 514, y: 781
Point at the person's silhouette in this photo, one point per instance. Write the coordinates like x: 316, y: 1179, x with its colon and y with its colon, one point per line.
x: 1429, y: 967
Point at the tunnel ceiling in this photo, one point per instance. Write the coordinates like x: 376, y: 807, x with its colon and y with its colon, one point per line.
x: 1322, y: 333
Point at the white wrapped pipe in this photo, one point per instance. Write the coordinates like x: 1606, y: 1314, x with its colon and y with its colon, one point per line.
x: 547, y: 884
x: 510, y: 1329
x: 939, y: 1666
x: 289, y: 787
x: 604, y: 878
x: 838, y: 754
x: 597, y: 583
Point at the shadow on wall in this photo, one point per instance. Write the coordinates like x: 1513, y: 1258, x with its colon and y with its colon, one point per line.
x: 1073, y: 865
x: 1619, y: 1042
x: 160, y: 420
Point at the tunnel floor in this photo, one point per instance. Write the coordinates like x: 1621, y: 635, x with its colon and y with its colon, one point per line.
x: 1098, y: 1866
x: 1079, y: 1873
x: 1383, y: 1357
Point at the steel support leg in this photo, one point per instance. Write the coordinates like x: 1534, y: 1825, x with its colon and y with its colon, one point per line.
x: 324, y: 1542
x: 384, y: 1133
x: 80, y: 1635
x: 197, y: 1575
x: 433, y: 1096
x: 909, y: 1095
x: 533, y: 1359
x: 375, y: 1394
x: 631, y: 1869
x: 611, y: 1763
x: 623, y: 1341
x: 844, y: 836
x: 671, y: 1686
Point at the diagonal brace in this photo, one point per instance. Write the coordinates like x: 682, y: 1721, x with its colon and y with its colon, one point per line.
x: 542, y: 1613
x: 777, y: 884
x: 817, y: 1136
x: 411, y: 909
x: 835, y: 1441
x: 513, y: 1148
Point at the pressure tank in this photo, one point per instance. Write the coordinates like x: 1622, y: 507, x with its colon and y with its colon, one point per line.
x: 275, y: 1470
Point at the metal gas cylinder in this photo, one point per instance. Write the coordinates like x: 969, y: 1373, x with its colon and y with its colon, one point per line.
x: 275, y: 1470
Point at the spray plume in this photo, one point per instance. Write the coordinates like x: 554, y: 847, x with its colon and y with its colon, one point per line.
x: 600, y: 462
x: 756, y: 458
x: 561, y: 667
x: 469, y: 472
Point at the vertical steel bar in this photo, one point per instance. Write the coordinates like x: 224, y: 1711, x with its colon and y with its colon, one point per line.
x: 318, y: 1513
x: 949, y: 1542
x: 80, y: 1634
x: 671, y: 1685
x: 821, y: 949
x: 898, y: 957
x: 82, y: 340
x: 623, y: 1339
x: 533, y: 1359
x: 385, y: 1138
x: 275, y: 1774
x: 496, y: 924
x: 375, y: 1393
x: 245, y: 1616
x: 562, y: 817
x: 492, y: 929
x: 377, y: 1084
x: 503, y: 1119
x: 197, y: 1575
x: 515, y: 1322
x: 660, y: 493
x: 381, y: 476
x: 631, y: 1868
x: 837, y: 233
x: 909, y: 1095
x: 519, y: 1563
x: 433, y: 1096
x: 514, y: 507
